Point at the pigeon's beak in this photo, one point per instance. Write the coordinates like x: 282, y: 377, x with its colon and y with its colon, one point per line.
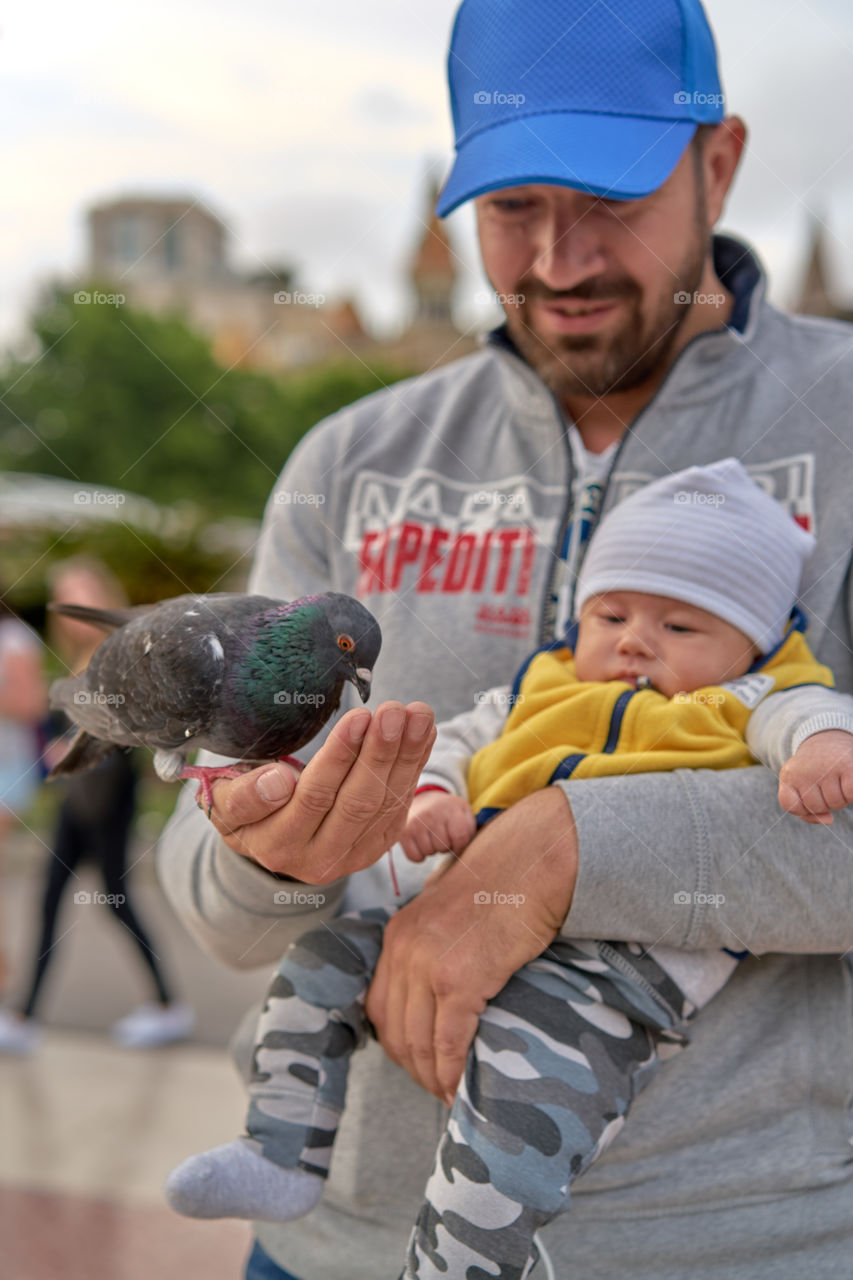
x: 361, y: 679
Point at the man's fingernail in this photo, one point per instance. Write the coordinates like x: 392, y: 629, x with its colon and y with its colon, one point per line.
x: 272, y: 786
x: 391, y: 722
x: 419, y: 726
x: 358, y: 727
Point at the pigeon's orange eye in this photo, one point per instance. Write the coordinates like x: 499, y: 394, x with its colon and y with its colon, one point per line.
x: 346, y: 642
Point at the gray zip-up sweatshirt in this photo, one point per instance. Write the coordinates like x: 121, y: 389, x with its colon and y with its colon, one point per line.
x: 441, y: 503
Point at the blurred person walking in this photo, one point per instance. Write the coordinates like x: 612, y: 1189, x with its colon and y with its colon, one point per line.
x: 23, y: 706
x: 95, y: 821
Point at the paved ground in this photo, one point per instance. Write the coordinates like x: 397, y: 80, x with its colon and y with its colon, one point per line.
x: 88, y: 1131
x: 97, y: 974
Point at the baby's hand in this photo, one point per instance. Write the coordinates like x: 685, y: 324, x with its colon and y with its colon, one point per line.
x: 819, y: 776
x: 437, y: 823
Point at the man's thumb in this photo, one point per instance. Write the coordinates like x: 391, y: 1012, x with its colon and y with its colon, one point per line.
x: 275, y: 785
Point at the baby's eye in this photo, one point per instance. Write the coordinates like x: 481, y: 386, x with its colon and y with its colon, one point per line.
x: 679, y: 628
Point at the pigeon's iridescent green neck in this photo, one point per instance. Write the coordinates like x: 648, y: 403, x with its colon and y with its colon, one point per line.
x: 285, y: 662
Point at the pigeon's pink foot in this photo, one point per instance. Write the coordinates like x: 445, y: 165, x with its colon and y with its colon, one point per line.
x: 207, y: 775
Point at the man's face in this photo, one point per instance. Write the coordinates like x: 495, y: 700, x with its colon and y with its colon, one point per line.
x: 628, y: 635
x: 596, y: 282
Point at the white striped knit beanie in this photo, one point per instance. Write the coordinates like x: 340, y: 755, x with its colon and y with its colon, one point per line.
x: 708, y: 536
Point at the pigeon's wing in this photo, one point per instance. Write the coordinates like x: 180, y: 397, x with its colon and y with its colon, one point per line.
x: 217, y: 604
x: 90, y: 707
x: 154, y: 681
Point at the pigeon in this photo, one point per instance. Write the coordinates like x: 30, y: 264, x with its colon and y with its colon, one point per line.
x: 244, y: 676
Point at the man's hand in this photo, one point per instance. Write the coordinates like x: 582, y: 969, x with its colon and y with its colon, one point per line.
x: 818, y: 777
x: 457, y: 944
x: 344, y: 810
x: 438, y: 822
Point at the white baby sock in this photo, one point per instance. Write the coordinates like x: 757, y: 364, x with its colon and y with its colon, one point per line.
x: 237, y: 1181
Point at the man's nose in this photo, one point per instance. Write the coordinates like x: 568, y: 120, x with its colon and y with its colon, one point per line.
x: 568, y: 251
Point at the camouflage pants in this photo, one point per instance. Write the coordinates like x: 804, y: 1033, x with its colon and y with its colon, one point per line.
x: 559, y: 1055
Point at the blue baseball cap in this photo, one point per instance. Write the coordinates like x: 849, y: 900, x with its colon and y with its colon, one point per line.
x: 600, y: 95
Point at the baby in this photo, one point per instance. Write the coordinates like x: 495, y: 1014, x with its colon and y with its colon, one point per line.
x: 681, y: 658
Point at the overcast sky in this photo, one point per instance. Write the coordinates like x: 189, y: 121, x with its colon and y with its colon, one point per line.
x: 309, y: 128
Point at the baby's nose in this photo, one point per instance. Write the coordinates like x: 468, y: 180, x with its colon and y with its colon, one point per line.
x: 634, y: 640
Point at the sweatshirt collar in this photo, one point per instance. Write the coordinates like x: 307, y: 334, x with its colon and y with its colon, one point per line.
x: 739, y: 269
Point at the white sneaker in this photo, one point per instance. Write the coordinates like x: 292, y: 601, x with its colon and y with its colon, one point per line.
x: 18, y: 1035
x: 151, y: 1025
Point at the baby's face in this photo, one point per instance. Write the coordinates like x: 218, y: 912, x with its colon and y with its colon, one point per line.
x: 624, y: 635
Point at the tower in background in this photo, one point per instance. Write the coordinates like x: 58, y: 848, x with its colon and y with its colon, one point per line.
x: 433, y: 273
x: 817, y: 297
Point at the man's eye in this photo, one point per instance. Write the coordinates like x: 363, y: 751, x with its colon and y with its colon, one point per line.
x: 618, y: 207
x: 507, y: 204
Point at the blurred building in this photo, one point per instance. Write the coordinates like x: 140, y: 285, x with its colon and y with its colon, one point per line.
x: 172, y: 255
x: 157, y: 242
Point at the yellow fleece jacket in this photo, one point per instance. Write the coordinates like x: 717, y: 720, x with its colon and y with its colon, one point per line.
x: 562, y: 727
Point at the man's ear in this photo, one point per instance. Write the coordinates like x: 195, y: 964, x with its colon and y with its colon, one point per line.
x: 721, y: 153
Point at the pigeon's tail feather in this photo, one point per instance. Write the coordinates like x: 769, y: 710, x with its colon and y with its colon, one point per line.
x: 84, y: 753
x: 107, y: 619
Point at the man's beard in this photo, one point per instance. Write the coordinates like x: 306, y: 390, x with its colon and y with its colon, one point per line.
x: 595, y: 364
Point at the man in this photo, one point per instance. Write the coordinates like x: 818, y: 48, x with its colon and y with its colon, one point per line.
x: 457, y: 506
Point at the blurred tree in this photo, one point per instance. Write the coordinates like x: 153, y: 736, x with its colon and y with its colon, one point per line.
x: 123, y: 398
x: 149, y: 566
